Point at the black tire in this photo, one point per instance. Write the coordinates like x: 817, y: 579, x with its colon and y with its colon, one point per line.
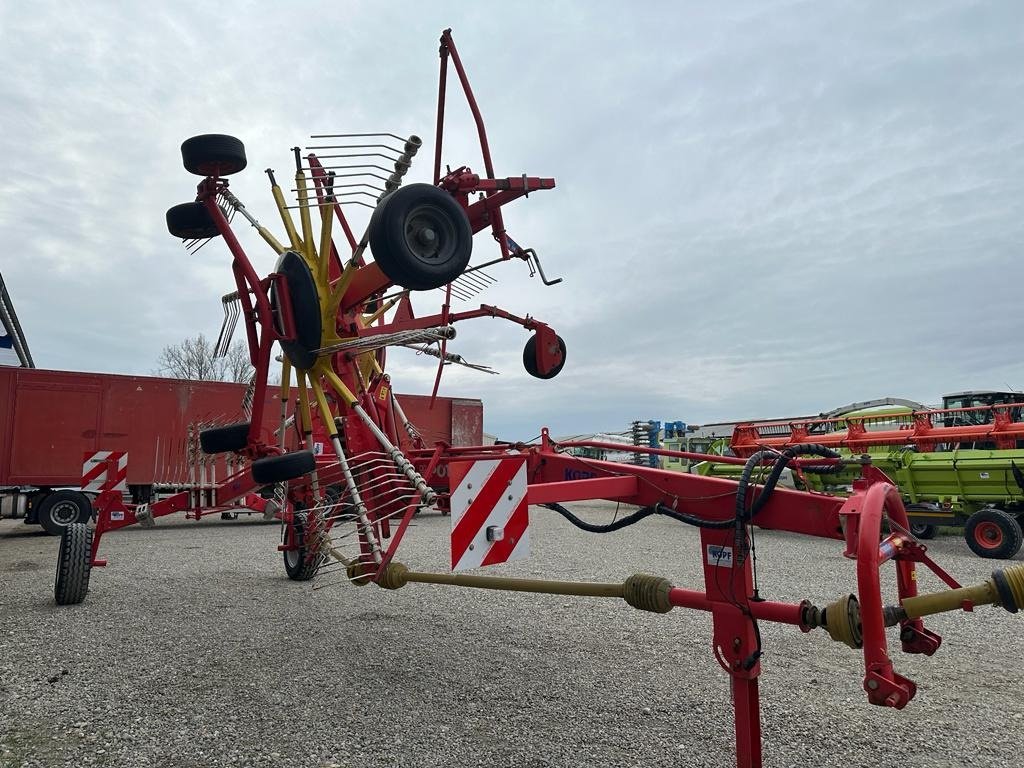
x: 60, y: 509
x: 213, y: 154
x: 287, y: 466
x: 421, y: 237
x: 296, y: 564
x: 530, y: 359
x: 191, y: 221
x: 233, y: 437
x: 305, y: 304
x: 994, y: 534
x: 924, y: 531
x: 74, y: 562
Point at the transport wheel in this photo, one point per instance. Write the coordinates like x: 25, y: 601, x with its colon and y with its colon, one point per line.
x: 530, y: 359
x: 924, y: 530
x: 73, y: 564
x: 296, y: 564
x: 191, y: 221
x: 213, y: 154
x: 287, y: 466
x: 421, y: 237
x: 60, y: 509
x: 233, y: 437
x: 993, y: 533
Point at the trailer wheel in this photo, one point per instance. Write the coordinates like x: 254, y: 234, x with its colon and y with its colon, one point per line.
x: 296, y: 564
x: 993, y: 533
x: 530, y: 359
x: 287, y: 466
x: 73, y: 564
x: 924, y: 530
x: 60, y: 509
x: 421, y: 237
x: 213, y: 154
x: 233, y: 437
x: 191, y: 221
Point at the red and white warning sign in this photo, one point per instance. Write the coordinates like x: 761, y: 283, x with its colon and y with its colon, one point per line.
x: 489, y: 512
x: 96, y: 475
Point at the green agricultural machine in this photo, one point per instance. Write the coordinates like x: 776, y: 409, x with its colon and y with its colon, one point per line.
x: 961, y: 465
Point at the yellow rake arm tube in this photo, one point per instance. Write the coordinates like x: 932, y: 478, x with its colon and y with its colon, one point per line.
x: 286, y: 218
x: 307, y: 223
x: 324, y: 262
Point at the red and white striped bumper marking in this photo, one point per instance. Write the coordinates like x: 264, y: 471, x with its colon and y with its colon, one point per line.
x: 489, y: 494
x: 94, y: 471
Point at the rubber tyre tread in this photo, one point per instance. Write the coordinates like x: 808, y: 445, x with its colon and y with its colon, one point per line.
x: 51, y: 500
x: 287, y: 466
x: 924, y: 531
x: 233, y: 437
x: 390, y: 250
x: 530, y: 359
x: 73, y: 565
x: 191, y: 221
x: 1013, y: 536
x: 304, y: 569
x: 213, y: 154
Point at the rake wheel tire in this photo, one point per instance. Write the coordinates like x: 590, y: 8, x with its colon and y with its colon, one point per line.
x: 233, y: 437
x: 287, y: 466
x: 191, y: 221
x: 296, y: 564
x: 993, y: 533
x: 59, y: 509
x: 73, y: 565
x: 420, y: 237
x: 213, y: 154
x: 305, y: 303
x: 530, y: 359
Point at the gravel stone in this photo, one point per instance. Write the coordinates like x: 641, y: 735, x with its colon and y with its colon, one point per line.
x: 194, y: 649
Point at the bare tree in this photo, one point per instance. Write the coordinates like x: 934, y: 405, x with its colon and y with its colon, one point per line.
x: 193, y: 359
x: 236, y: 365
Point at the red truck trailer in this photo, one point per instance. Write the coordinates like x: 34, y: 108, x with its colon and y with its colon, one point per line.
x: 51, y: 420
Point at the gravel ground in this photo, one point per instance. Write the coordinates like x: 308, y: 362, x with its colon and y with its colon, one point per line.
x: 193, y: 649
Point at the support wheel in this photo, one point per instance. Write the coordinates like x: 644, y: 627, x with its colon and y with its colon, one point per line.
x: 74, y: 562
x: 287, y: 466
x: 421, y: 237
x: 530, y: 359
x: 213, y: 154
x: 296, y: 563
x: 191, y: 221
x: 60, y: 509
x: 993, y: 533
x: 233, y: 437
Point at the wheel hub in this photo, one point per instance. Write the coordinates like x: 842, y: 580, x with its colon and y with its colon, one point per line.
x: 429, y: 234
x: 64, y: 513
x: 989, y: 534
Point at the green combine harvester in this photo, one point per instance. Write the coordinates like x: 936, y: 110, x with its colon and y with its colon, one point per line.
x: 975, y: 484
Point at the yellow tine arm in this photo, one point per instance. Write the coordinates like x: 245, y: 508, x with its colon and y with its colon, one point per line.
x: 339, y: 386
x: 371, y: 319
x: 304, y: 415
x: 325, y: 409
x: 324, y: 262
x: 286, y: 217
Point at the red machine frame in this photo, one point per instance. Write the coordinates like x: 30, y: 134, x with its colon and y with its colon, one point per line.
x: 925, y: 429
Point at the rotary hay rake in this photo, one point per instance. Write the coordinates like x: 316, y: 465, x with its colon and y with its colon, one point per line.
x: 334, y: 318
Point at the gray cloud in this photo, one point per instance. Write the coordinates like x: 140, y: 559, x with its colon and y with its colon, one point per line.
x: 762, y: 208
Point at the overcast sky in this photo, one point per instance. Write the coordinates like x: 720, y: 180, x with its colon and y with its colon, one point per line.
x: 763, y: 209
